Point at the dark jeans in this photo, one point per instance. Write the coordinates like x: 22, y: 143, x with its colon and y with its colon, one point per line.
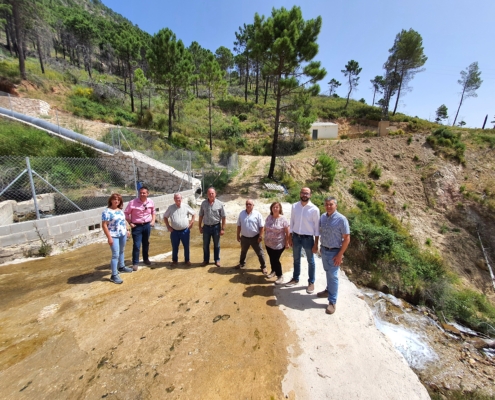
x: 208, y: 233
x: 180, y: 236
x: 274, y: 255
x: 246, y: 243
x: 140, y: 234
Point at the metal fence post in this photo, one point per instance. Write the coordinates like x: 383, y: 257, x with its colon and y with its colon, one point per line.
x: 33, y: 190
x: 56, y: 114
x: 10, y: 102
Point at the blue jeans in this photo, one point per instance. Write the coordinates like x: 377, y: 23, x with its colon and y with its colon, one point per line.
x: 208, y: 233
x: 332, y: 273
x: 303, y: 242
x: 117, y: 248
x: 140, y: 235
x: 180, y: 236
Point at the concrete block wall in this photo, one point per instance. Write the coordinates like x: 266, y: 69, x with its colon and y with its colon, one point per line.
x: 158, y: 175
x: 64, y: 232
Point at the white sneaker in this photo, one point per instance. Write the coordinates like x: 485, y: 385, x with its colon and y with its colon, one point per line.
x: 279, y: 281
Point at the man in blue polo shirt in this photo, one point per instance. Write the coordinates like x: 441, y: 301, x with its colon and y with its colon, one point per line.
x: 334, y: 239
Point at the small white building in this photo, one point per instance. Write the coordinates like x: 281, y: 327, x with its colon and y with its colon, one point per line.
x: 324, y: 130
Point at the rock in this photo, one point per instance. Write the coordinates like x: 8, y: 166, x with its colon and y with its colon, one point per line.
x: 481, y: 264
x: 451, y: 329
x: 472, y: 361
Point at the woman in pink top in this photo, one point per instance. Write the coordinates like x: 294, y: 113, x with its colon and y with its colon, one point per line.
x: 276, y: 239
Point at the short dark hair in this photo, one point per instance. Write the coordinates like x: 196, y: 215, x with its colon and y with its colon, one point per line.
x: 280, y: 205
x: 116, y: 196
x: 145, y: 188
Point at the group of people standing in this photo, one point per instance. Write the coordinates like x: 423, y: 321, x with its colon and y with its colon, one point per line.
x: 305, y: 230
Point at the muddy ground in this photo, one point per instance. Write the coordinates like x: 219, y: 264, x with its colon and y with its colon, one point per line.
x: 66, y: 331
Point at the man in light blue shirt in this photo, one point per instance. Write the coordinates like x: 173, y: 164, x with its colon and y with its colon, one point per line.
x: 334, y: 239
x: 250, y: 227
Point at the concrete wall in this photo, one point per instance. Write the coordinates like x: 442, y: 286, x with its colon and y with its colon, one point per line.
x: 325, y: 130
x: 63, y: 232
x: 7, y: 212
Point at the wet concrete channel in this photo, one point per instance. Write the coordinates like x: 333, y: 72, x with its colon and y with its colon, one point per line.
x: 66, y: 331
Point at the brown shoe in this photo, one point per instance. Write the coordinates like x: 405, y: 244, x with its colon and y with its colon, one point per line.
x: 291, y: 283
x: 265, y: 271
x: 311, y: 288
x: 188, y: 263
x: 217, y: 264
x: 147, y: 262
x: 135, y: 267
x: 173, y: 263
x: 330, y: 309
x: 323, y: 294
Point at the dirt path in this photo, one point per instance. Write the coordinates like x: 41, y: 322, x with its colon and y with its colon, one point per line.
x: 247, y: 182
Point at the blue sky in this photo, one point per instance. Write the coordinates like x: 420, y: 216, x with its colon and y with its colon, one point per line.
x: 455, y: 34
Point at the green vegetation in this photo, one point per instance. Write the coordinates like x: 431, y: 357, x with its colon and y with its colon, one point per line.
x: 325, y: 170
x: 384, y: 247
x: 17, y: 139
x: 448, y: 142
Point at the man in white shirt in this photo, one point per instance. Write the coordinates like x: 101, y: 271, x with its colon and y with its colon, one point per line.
x: 178, y: 224
x: 250, y: 226
x: 305, y: 233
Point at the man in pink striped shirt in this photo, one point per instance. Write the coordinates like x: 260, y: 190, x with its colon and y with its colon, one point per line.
x: 140, y: 213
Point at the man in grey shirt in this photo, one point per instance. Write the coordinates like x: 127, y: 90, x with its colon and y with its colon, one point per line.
x: 211, y: 225
x: 250, y: 226
x: 177, y: 220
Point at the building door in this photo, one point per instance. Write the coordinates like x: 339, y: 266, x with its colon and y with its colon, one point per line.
x: 315, y: 134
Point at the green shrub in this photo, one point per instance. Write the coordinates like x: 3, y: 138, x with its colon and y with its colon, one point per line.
x: 387, y: 184
x: 448, y: 143
x: 361, y: 192
x: 242, y: 117
x: 376, y: 172
x: 367, y: 150
x: 325, y: 170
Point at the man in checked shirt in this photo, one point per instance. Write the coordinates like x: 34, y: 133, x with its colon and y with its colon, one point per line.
x: 305, y: 232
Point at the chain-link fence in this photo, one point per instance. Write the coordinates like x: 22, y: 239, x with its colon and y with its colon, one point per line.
x: 42, y: 187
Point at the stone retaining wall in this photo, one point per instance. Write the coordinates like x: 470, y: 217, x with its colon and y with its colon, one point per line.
x: 32, y: 107
x: 63, y: 232
x: 160, y: 176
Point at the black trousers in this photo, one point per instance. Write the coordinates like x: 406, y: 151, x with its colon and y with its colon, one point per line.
x: 275, y: 260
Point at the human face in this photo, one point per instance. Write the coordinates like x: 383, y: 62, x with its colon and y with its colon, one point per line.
x: 330, y: 206
x: 305, y: 195
x: 211, y: 195
x: 249, y: 206
x: 143, y: 195
x: 276, y: 210
x: 115, y: 203
x: 178, y: 200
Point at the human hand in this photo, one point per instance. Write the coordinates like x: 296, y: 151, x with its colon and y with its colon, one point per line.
x: 337, y: 260
x: 110, y: 241
x: 315, y: 249
x: 170, y: 229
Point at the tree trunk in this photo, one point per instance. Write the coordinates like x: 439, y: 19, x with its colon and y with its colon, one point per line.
x: 170, y: 112
x: 460, y: 104
x: 266, y: 88
x: 131, y: 91
x: 257, y: 81
x: 246, y: 80
x: 374, y: 93
x: 350, y: 90
x: 398, y: 95
x: 40, y: 56
x: 9, y: 46
x: 18, y: 32
x: 275, y: 134
x: 209, y: 116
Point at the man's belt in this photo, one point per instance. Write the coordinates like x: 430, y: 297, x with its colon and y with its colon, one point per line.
x: 331, y: 248
x: 297, y: 234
